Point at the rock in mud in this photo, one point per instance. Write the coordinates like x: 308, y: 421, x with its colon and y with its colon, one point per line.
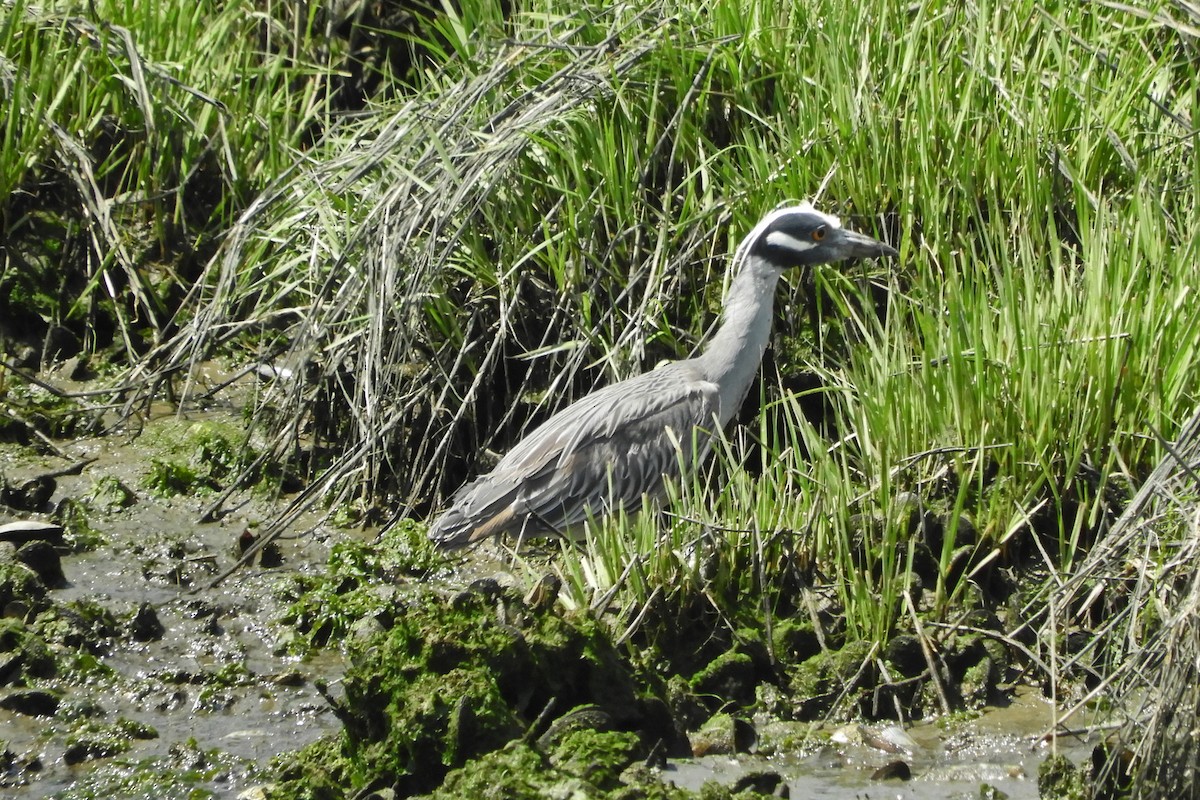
x: 1059, y: 778
x: 764, y: 782
x: 145, y: 625
x: 597, y: 757
x: 584, y: 718
x: 20, y: 588
x: 31, y: 495
x: 820, y: 681
x: 10, y: 666
x: 904, y: 652
x: 43, y: 559
x: 730, y: 677
x: 893, y: 770
x: 93, y: 741
x: 723, y: 735
x: 30, y: 702
x: 795, y: 640
x: 79, y: 625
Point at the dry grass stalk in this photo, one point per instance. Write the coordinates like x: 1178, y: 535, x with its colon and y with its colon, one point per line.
x: 1143, y: 584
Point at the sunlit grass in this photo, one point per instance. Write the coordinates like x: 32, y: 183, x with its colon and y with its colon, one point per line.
x: 140, y: 130
x: 548, y: 203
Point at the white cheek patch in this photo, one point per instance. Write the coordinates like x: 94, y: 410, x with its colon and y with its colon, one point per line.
x: 788, y: 242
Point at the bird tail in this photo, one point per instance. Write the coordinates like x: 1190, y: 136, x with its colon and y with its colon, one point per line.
x: 452, y: 531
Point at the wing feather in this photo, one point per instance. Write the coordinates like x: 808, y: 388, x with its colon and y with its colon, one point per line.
x: 601, y: 454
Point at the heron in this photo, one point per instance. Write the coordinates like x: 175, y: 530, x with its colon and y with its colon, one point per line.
x: 611, y: 448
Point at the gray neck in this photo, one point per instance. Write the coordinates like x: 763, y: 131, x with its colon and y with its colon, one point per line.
x: 731, y: 358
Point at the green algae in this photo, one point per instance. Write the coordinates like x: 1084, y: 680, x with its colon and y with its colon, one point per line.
x: 1059, y: 779
x: 730, y: 677
x: 82, y: 625
x: 21, y: 587
x: 448, y: 682
x: 357, y: 585
x: 23, y: 654
x: 587, y: 765
x: 186, y: 772
x: 819, y: 681
x: 517, y: 772
x: 597, y: 757
x: 199, y: 458
x: 92, y: 740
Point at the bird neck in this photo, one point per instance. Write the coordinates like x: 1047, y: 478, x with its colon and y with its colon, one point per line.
x: 731, y: 358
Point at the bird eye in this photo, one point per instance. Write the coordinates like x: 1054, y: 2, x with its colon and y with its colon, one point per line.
x: 818, y: 234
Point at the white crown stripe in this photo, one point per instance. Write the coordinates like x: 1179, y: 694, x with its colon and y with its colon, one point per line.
x: 788, y: 242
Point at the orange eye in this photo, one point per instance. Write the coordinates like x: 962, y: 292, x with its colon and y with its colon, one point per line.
x: 818, y: 234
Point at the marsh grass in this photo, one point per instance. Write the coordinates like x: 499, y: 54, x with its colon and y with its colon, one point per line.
x: 133, y: 133
x: 1136, y: 593
x: 546, y: 203
x: 550, y: 208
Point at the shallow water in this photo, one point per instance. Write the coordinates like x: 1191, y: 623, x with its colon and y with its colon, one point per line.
x: 1002, y: 748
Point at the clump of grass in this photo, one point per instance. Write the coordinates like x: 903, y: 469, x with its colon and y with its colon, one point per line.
x: 199, y: 458
x: 134, y: 133
x: 1135, y: 597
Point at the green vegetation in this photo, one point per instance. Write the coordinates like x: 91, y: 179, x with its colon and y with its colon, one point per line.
x: 543, y: 201
x: 440, y: 683
x: 542, y: 210
x: 199, y: 458
x: 179, y: 775
x: 422, y: 242
x: 356, y: 587
x: 93, y: 740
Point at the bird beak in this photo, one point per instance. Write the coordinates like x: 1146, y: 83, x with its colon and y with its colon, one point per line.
x: 851, y: 244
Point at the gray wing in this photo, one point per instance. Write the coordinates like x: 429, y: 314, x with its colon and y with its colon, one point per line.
x: 601, y: 454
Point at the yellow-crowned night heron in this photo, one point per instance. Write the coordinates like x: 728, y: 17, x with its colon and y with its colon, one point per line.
x: 612, y: 447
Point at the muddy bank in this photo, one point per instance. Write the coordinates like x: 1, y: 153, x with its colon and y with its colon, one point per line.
x: 121, y: 673
x: 339, y: 665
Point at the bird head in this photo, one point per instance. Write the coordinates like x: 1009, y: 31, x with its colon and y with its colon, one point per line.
x: 800, y: 235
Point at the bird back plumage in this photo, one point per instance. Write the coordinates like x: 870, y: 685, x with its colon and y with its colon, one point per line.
x: 600, y: 455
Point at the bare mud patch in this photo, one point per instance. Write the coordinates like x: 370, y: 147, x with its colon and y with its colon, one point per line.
x: 152, y: 682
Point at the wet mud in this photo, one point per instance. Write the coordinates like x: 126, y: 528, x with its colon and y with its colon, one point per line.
x: 160, y: 685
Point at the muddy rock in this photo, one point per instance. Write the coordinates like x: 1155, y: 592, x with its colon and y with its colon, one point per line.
x: 94, y: 741
x: 584, y: 718
x: 893, y: 771
x: 730, y: 677
x: 723, y: 735
x: 30, y: 702
x: 597, y: 757
x: 904, y: 652
x: 762, y: 782
x: 79, y: 625
x: 20, y: 588
x: 1059, y: 778
x: 973, y: 672
x: 687, y: 709
x: 41, y: 557
x: 30, y: 495
x: 145, y: 626
x: 817, y: 683
x: 795, y: 640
